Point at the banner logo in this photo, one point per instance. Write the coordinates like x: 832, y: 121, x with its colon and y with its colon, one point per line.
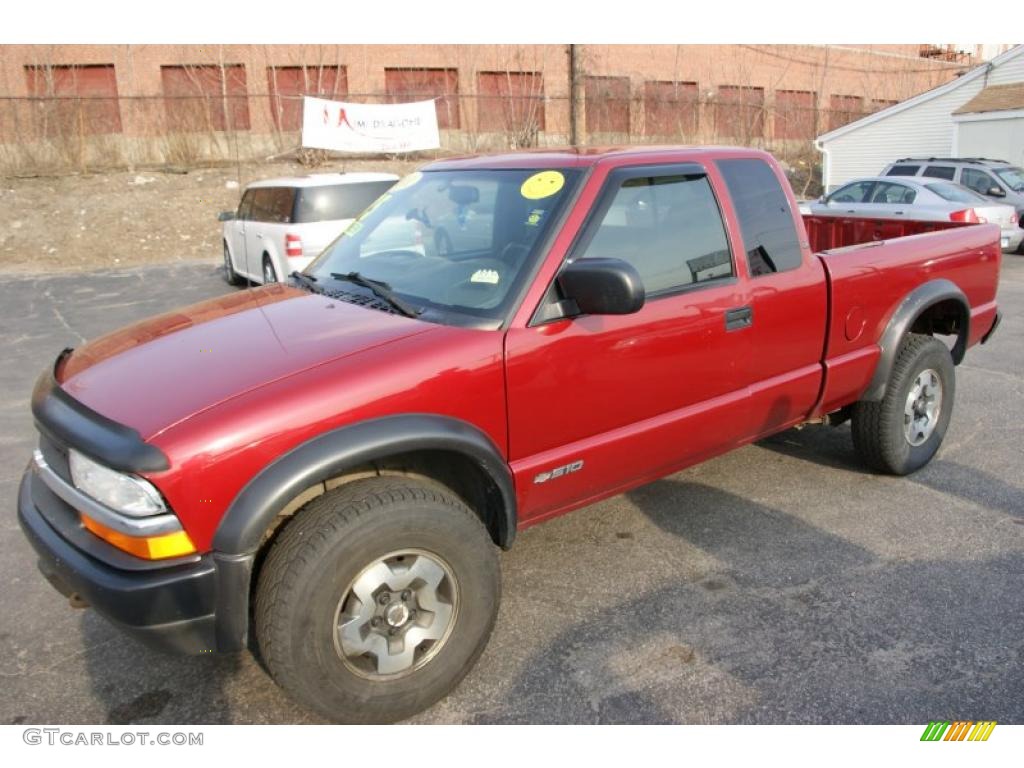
x: 346, y: 127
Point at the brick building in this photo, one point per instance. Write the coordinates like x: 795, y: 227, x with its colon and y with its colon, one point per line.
x: 154, y: 103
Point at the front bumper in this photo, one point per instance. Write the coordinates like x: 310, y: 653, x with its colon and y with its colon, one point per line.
x: 198, y: 606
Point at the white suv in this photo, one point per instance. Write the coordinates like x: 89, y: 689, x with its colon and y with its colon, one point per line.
x: 282, y: 224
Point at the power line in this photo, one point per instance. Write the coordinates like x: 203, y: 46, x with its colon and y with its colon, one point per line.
x: 845, y: 68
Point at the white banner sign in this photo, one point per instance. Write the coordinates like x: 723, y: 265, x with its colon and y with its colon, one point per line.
x: 346, y: 127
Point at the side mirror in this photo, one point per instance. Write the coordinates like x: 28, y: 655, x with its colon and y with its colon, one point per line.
x: 996, y: 192
x: 602, y: 286
x: 226, y: 216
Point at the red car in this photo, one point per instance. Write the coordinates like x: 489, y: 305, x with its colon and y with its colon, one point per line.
x: 330, y: 465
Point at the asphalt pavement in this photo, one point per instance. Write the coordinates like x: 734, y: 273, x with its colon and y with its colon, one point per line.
x: 782, y: 583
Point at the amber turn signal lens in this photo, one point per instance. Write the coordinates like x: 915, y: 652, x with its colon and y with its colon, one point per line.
x: 147, y: 547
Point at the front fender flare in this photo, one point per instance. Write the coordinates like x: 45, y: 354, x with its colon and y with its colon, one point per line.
x: 328, y: 455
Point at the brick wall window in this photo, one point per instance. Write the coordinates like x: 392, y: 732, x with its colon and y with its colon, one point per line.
x: 510, y: 102
x: 205, y: 97
x: 402, y: 84
x: 607, y: 104
x: 671, y: 108
x: 843, y: 110
x: 795, y: 114
x: 739, y: 112
x: 287, y: 84
x: 80, y: 99
x: 878, y: 104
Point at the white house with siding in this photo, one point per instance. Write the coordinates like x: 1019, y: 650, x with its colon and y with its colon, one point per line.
x: 936, y: 123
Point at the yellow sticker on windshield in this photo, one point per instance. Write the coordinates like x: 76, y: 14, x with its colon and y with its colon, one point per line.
x: 541, y: 185
x: 407, y: 181
x: 353, y: 228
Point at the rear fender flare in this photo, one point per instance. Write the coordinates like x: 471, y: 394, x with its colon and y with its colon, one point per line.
x: 913, y: 306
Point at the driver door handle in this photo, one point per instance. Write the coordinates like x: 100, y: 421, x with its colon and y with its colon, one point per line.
x: 739, y: 318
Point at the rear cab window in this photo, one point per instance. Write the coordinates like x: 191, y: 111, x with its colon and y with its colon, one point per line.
x: 766, y: 221
x: 902, y: 169
x: 336, y: 202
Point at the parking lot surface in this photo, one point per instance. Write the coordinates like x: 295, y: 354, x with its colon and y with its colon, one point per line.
x: 782, y: 583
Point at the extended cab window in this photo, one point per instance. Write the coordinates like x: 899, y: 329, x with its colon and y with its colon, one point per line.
x: 668, y: 227
x: 766, y: 222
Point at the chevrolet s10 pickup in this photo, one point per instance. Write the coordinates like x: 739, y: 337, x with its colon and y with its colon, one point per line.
x: 325, y: 469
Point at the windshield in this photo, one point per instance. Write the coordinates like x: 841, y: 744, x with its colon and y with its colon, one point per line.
x: 1012, y: 176
x: 955, y: 193
x: 338, y: 201
x: 450, y: 242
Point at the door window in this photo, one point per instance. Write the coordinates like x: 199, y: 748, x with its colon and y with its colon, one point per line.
x: 977, y: 180
x: 668, y: 227
x: 858, y: 192
x: 892, y: 194
x: 245, y: 207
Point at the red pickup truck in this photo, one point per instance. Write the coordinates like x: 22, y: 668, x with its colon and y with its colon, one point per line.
x: 329, y: 466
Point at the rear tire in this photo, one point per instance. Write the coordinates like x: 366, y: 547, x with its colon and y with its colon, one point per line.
x: 269, y: 273
x: 362, y: 575
x: 230, y: 275
x: 902, y: 432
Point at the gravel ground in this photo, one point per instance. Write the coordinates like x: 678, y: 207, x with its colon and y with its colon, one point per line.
x: 781, y: 583
x: 124, y: 219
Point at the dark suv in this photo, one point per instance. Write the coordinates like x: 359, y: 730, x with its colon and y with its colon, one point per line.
x: 996, y: 179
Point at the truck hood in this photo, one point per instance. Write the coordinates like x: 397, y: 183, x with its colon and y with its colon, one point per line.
x: 154, y: 374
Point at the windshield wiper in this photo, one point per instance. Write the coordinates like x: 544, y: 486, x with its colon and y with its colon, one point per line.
x: 307, y: 280
x: 380, y: 289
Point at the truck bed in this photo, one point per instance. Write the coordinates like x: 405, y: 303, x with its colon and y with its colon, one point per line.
x: 872, y: 264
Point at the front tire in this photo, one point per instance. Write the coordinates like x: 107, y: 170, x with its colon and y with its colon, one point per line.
x: 902, y: 432
x: 377, y: 599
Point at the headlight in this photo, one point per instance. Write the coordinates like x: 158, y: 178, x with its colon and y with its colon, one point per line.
x: 124, y: 493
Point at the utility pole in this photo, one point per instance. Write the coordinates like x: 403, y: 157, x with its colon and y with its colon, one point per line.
x: 574, y: 86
